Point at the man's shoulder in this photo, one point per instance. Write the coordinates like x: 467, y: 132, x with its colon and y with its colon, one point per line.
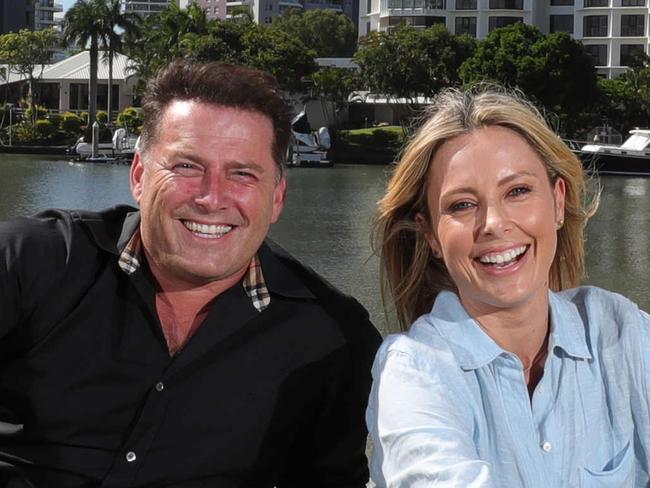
x: 341, y: 308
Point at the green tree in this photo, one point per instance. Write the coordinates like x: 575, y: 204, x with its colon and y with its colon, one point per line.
x: 326, y: 32
x: 116, y: 25
x: 279, y: 53
x: 554, y: 70
x: 26, y: 52
x: 333, y: 86
x: 84, y: 25
x: 409, y: 63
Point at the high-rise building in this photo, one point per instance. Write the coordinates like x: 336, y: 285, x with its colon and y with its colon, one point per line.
x: 28, y: 14
x: 611, y: 30
x: 214, y: 9
x: 145, y: 8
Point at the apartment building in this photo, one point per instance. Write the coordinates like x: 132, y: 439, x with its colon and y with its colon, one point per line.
x: 611, y: 30
x: 28, y: 14
x: 145, y: 8
x: 265, y: 10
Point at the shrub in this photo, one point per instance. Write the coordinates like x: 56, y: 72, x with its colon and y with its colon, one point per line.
x: 56, y: 120
x: 101, y: 117
x: 129, y: 118
x: 41, y: 112
x: 23, y: 132
x: 44, y: 129
x: 71, y: 123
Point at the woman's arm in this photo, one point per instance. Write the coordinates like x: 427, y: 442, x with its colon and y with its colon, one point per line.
x: 421, y: 435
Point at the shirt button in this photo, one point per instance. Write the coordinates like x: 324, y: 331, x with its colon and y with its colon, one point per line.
x: 130, y: 456
x: 160, y: 386
x: 547, y: 447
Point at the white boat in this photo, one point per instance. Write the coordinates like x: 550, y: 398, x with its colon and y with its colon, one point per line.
x: 630, y: 158
x: 308, y: 149
x: 121, y: 148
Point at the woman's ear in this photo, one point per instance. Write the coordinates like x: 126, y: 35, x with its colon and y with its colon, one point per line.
x: 559, y: 193
x: 424, y: 227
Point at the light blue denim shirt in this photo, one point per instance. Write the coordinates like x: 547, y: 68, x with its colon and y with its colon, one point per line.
x: 450, y: 408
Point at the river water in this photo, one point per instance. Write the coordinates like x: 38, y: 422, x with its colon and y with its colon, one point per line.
x: 327, y: 217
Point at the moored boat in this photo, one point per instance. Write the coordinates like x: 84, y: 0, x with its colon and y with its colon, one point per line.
x: 632, y: 158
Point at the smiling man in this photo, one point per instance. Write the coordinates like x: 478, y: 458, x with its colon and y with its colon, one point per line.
x: 176, y: 345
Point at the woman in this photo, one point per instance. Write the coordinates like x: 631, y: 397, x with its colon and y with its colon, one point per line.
x: 507, y: 381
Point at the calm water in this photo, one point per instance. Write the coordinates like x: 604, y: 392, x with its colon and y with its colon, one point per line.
x: 327, y: 216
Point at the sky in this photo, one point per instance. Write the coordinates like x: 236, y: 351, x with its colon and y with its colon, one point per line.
x: 67, y: 4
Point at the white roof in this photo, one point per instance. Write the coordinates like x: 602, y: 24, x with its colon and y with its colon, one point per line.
x: 374, y: 98
x: 77, y: 67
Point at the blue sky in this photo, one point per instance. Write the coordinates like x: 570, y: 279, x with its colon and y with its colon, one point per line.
x: 67, y: 4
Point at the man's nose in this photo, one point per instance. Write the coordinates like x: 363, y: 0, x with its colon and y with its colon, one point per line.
x: 213, y: 192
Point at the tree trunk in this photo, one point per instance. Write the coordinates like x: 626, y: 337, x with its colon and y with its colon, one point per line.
x: 110, y: 84
x: 92, y: 91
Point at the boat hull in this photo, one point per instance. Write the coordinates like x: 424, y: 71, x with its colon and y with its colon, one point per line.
x: 615, y: 164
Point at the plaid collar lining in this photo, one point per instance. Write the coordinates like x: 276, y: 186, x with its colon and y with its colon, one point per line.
x: 253, y: 282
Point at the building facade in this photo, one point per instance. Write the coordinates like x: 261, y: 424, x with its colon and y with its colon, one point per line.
x: 611, y: 30
x: 28, y: 14
x: 144, y: 8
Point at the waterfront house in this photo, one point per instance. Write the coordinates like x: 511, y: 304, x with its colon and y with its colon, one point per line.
x: 63, y: 86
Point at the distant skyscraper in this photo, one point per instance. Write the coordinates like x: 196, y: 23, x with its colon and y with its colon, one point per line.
x: 27, y: 14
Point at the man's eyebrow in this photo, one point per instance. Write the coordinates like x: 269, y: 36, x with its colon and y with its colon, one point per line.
x: 246, y: 165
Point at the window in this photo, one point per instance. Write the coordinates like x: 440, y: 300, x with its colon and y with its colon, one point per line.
x: 465, y: 25
x: 465, y: 4
x: 628, y: 51
x: 633, y: 3
x: 507, y: 4
x: 561, y: 23
x: 409, y: 4
x: 594, y: 26
x: 496, y: 22
x: 598, y: 53
x: 596, y: 3
x: 632, y: 25
x: 562, y: 2
x: 78, y: 96
x: 367, y: 27
x: 369, y: 7
x: 416, y: 20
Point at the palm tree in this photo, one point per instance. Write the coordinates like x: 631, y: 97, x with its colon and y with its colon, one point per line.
x: 113, y: 19
x: 83, y: 25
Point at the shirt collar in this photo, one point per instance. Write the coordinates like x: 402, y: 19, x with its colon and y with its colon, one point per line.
x: 253, y: 281
x: 568, y: 331
x: 474, y: 348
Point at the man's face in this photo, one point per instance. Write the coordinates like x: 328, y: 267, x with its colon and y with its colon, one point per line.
x: 208, y: 193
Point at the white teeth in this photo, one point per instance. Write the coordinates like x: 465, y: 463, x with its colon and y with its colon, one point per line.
x: 502, y: 258
x: 205, y: 230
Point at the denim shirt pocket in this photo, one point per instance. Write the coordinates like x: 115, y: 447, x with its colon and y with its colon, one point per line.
x: 618, y: 472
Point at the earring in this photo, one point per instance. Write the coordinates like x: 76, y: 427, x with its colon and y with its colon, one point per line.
x: 560, y: 223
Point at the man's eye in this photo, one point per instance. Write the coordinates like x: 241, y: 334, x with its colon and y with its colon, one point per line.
x: 186, y: 168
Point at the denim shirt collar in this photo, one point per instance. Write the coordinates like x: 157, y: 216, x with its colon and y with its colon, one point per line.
x: 474, y: 348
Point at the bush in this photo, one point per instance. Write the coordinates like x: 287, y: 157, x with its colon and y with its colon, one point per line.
x: 56, y: 120
x: 84, y: 118
x: 101, y: 116
x: 44, y: 129
x: 129, y: 118
x: 71, y: 123
x: 41, y: 112
x: 22, y: 132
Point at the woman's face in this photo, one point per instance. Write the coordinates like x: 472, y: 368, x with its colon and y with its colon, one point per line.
x: 494, y: 218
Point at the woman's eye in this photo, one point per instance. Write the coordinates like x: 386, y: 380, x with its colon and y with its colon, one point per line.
x: 518, y: 191
x: 460, y: 206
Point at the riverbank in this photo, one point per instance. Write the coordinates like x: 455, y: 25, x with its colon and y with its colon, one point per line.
x: 35, y: 149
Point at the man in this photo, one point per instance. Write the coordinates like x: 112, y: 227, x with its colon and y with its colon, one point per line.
x: 176, y: 346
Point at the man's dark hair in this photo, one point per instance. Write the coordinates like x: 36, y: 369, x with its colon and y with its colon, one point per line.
x: 219, y: 84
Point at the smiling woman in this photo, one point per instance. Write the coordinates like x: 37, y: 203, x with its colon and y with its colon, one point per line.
x: 483, y: 221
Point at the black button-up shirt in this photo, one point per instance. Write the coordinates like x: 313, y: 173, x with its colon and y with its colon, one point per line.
x: 254, y: 399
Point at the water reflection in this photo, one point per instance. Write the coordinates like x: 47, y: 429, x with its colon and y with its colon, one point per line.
x: 327, y: 217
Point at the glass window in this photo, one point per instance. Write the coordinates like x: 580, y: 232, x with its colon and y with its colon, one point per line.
x: 436, y: 4
x: 633, y: 3
x: 496, y: 22
x: 596, y: 3
x: 628, y: 51
x: 465, y: 25
x: 561, y: 23
x: 594, y: 26
x: 562, y: 2
x: 465, y: 4
x: 369, y: 7
x: 632, y: 25
x: 598, y: 53
x: 507, y: 4
x: 78, y: 96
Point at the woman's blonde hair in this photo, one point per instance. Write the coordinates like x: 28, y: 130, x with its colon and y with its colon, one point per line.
x: 410, y: 274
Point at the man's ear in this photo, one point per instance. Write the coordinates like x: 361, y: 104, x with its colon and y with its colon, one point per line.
x: 424, y: 226
x: 135, y: 177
